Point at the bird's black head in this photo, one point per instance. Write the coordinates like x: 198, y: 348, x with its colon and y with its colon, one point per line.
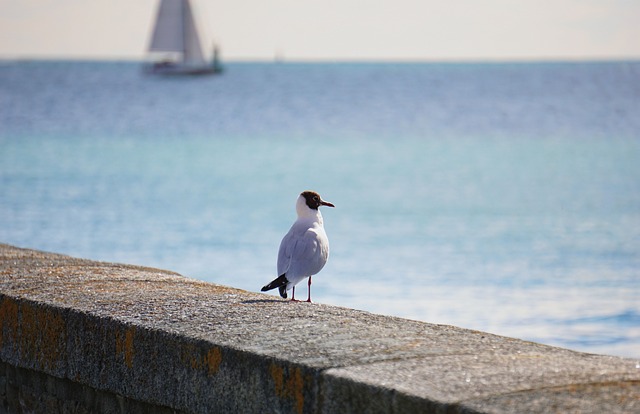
x: 314, y: 200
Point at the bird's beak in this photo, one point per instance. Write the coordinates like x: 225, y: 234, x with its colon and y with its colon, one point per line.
x: 326, y: 203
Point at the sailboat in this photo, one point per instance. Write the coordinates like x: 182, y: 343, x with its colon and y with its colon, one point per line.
x: 175, y: 44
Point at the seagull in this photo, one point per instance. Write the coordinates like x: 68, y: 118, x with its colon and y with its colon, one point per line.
x: 304, y: 250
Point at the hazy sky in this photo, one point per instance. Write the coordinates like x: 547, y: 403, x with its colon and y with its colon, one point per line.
x: 335, y: 29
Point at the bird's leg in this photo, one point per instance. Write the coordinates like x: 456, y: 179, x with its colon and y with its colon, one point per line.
x: 293, y: 295
x: 309, y: 286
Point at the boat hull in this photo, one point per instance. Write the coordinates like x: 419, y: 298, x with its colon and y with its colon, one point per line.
x: 181, y: 70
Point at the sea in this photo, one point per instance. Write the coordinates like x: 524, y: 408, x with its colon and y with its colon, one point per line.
x: 497, y: 196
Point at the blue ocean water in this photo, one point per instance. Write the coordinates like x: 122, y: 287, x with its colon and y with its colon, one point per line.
x: 502, y: 197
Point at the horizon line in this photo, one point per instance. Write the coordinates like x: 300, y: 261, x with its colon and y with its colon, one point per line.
x: 284, y: 60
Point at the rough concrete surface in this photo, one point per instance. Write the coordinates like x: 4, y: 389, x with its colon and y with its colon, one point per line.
x: 159, y: 338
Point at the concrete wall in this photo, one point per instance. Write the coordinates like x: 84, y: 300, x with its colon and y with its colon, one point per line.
x: 30, y: 391
x: 83, y: 336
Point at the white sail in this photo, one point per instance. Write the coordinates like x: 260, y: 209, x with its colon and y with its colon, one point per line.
x: 175, y: 32
x: 192, y: 49
x: 175, y: 35
x: 168, y: 34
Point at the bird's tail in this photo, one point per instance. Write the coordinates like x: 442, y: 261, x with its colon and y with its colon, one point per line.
x: 281, y: 283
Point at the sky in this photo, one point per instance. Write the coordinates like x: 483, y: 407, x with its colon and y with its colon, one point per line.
x: 334, y: 29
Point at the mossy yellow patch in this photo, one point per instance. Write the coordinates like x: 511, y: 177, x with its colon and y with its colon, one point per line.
x: 289, y: 384
x: 36, y: 332
x: 125, y: 345
x: 213, y: 359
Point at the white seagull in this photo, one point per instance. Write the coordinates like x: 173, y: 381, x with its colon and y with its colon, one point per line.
x: 304, y: 250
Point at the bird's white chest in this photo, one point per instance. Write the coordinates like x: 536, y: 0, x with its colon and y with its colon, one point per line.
x: 304, y: 250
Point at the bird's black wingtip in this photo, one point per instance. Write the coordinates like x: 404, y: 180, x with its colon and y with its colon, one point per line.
x: 280, y: 282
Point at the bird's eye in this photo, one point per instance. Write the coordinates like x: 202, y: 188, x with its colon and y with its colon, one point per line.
x: 316, y: 198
